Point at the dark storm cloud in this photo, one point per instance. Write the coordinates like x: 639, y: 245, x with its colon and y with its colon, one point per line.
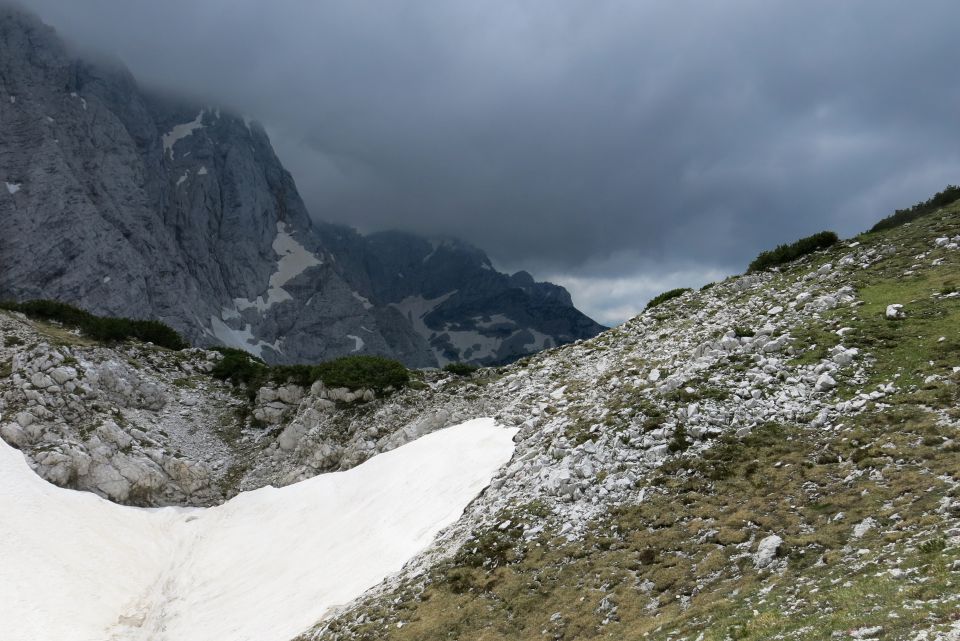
x: 617, y: 146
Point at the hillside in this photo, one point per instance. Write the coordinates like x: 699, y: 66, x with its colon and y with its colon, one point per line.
x: 773, y: 456
x: 126, y: 202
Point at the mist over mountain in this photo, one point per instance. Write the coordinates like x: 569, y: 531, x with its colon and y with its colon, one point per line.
x: 130, y: 203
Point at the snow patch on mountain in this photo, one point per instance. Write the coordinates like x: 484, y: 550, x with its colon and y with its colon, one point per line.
x: 264, y: 566
x: 494, y: 320
x: 415, y: 308
x: 12, y: 188
x: 240, y: 338
x: 179, y: 132
x: 357, y: 342
x: 363, y: 300
x: 470, y: 344
x: 294, y: 259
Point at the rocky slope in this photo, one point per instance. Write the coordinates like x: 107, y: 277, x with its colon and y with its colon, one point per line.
x: 774, y: 456
x: 128, y: 203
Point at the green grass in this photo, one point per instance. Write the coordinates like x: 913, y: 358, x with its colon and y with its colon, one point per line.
x: 661, y: 551
x: 910, y: 348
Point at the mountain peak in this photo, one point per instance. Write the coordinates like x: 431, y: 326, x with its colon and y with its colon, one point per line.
x: 181, y: 212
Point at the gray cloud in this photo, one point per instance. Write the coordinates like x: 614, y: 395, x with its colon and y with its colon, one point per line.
x: 600, y: 142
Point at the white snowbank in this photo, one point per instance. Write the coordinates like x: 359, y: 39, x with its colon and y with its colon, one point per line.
x: 12, y: 188
x: 264, y: 566
x: 179, y: 132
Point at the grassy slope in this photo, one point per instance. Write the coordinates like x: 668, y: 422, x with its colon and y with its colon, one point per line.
x: 679, y: 565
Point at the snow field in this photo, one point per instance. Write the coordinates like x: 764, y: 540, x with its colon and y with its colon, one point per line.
x: 264, y: 566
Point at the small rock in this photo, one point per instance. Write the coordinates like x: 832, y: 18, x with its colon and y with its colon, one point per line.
x: 864, y: 526
x: 824, y: 383
x: 767, y: 551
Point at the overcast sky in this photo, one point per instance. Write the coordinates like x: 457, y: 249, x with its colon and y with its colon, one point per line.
x: 618, y: 148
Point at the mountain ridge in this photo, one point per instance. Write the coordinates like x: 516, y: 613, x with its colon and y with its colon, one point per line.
x: 129, y: 203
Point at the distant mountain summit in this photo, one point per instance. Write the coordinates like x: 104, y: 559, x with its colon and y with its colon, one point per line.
x: 129, y: 203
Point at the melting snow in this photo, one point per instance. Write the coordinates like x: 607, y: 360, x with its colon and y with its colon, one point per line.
x: 182, y: 178
x: 12, y: 188
x: 240, y: 338
x: 470, y: 344
x: 294, y: 260
x: 415, y: 308
x: 202, y: 171
x: 363, y: 300
x: 357, y: 342
x: 13, y: 99
x: 179, y: 132
x: 264, y: 566
x: 495, y: 319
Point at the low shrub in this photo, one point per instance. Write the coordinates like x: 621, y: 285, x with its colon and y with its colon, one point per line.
x: 667, y: 295
x: 353, y: 372
x: 786, y: 253
x: 100, y: 328
x: 363, y: 372
x: 901, y: 216
x: 933, y: 546
x: 240, y: 368
x: 679, y: 442
x: 460, y: 369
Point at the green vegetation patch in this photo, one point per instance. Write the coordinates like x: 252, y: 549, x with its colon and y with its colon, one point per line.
x: 910, y: 348
x: 460, y: 369
x: 100, y: 328
x: 667, y: 295
x: 787, y: 253
x: 902, y: 216
x: 353, y: 372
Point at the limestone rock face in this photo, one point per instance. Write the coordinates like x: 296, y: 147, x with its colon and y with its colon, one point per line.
x: 127, y: 203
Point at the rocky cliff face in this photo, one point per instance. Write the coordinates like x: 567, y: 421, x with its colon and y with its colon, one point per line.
x: 133, y: 204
